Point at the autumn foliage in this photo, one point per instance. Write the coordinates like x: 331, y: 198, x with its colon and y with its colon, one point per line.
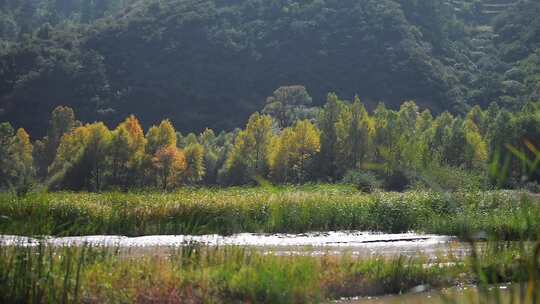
x: 291, y: 143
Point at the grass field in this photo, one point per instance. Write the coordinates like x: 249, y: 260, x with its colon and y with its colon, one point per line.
x: 506, y: 215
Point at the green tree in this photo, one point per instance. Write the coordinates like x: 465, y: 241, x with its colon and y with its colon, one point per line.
x: 407, y: 116
x: 353, y: 136
x: 120, y: 154
x: 191, y: 139
x: 386, y: 138
x: 213, y: 160
x: 327, y: 124
x: 464, y: 146
x: 212, y: 152
x: 453, y: 144
x: 441, y: 129
x: 527, y: 141
x: 249, y: 156
x: 306, y: 144
x: 501, y: 134
x: 67, y: 170
x: 62, y: 121
x: 479, y: 118
x: 82, y: 159
x: 409, y: 142
x: 195, y: 169
x: 288, y: 104
x: 238, y: 169
x: 425, y: 131
x: 23, y: 162
x: 259, y: 127
x: 6, y: 160
x: 160, y: 136
x: 476, y: 150
x: 207, y: 138
x: 96, y: 153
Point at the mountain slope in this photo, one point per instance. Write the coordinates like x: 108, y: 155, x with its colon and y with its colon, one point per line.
x: 206, y: 63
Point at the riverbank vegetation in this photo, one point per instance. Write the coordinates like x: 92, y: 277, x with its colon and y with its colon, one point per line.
x: 199, y: 276
x: 505, y: 214
x: 195, y: 274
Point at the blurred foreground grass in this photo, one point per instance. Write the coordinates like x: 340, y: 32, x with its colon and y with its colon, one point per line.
x: 194, y: 274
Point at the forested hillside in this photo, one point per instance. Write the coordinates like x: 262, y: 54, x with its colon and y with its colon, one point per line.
x: 210, y: 63
x: 19, y: 18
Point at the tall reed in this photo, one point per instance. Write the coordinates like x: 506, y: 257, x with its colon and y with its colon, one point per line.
x: 288, y: 209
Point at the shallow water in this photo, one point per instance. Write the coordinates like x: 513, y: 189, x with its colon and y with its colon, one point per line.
x: 465, y: 294
x: 355, y: 243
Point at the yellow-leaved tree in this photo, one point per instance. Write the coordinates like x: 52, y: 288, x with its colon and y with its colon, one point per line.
x: 127, y: 152
x: 293, y: 152
x: 307, y: 144
x: 249, y: 156
x: 160, y: 136
x: 96, y: 154
x: 82, y: 158
x: 160, y: 139
x: 170, y: 164
x: 280, y: 156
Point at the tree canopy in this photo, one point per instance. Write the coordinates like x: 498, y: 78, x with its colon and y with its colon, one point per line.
x: 209, y: 63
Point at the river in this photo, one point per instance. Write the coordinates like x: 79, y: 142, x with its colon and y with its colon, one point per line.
x: 355, y: 243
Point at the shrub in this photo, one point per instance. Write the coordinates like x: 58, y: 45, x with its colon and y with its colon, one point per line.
x: 447, y: 178
x: 363, y: 180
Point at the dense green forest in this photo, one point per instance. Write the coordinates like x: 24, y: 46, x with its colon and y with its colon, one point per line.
x: 211, y: 63
x: 472, y: 69
x: 290, y: 142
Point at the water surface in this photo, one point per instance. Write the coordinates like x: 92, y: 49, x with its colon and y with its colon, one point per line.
x: 356, y: 243
x: 503, y: 294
